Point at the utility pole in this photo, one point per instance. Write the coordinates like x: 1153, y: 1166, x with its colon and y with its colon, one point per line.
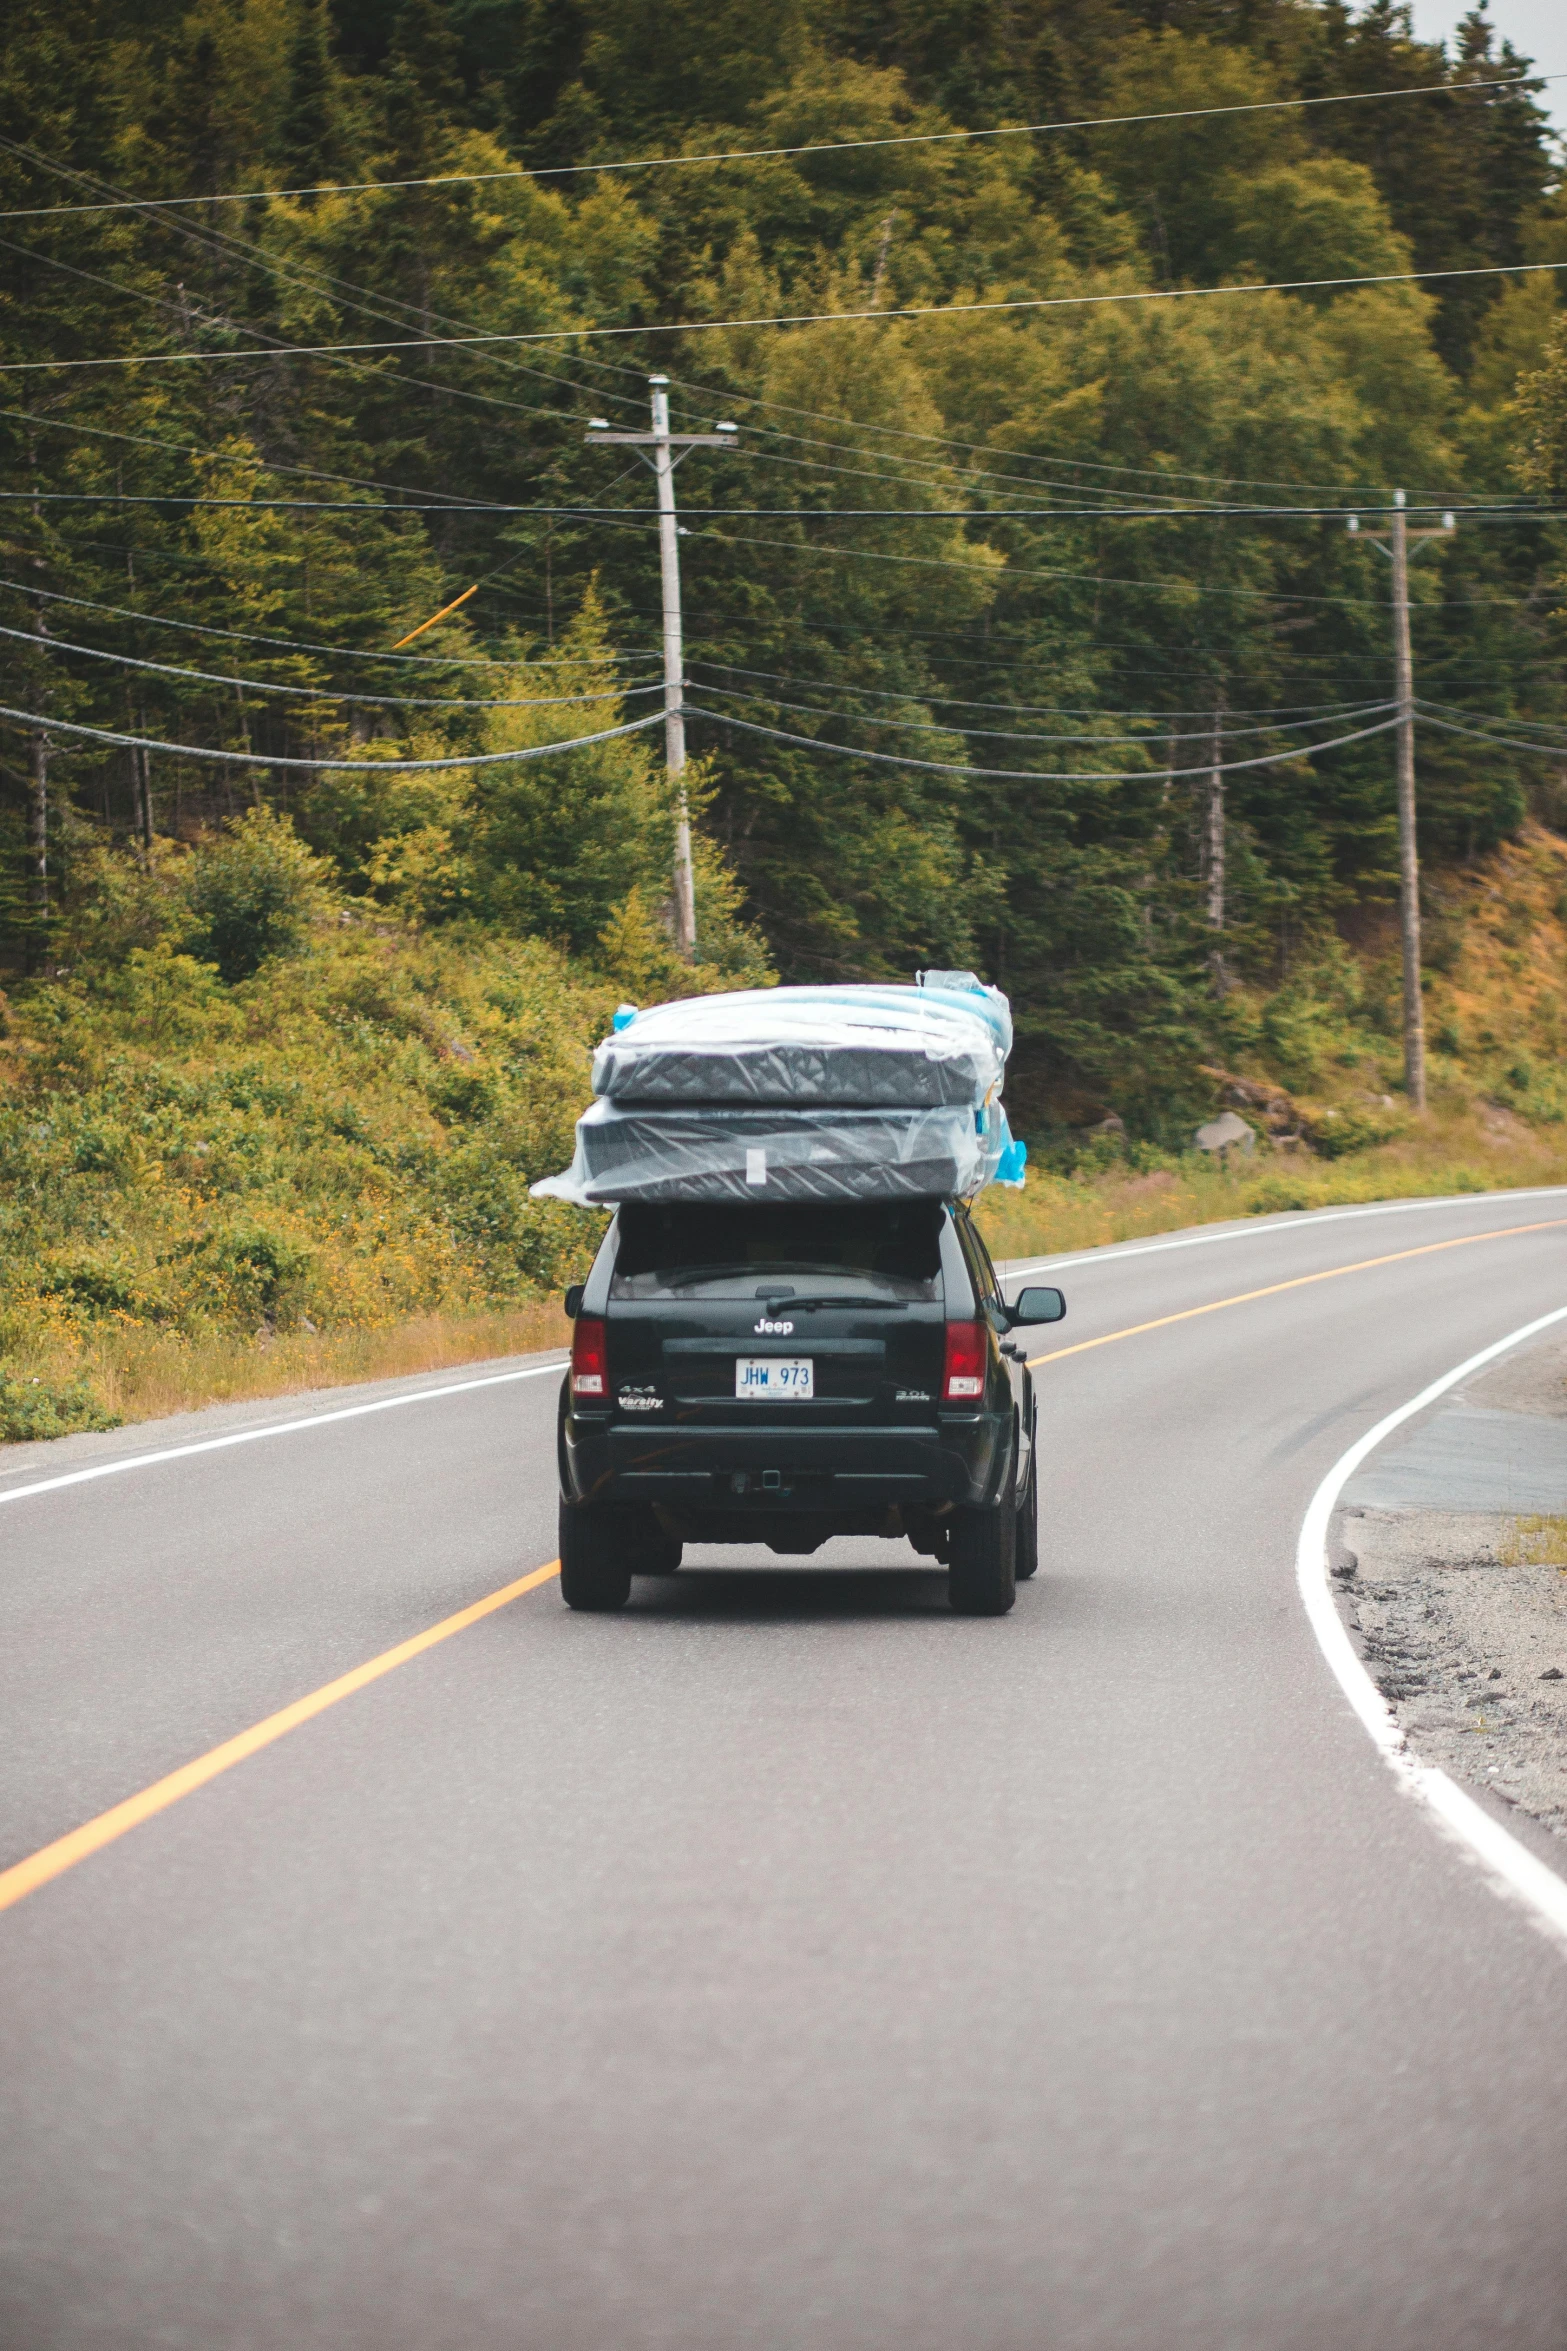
x: 1396, y: 547
x: 662, y: 443
x: 38, y: 803
x: 38, y: 823
x: 1213, y: 853
x: 141, y: 769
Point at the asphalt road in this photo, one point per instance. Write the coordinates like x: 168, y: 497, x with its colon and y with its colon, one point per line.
x: 786, y: 1963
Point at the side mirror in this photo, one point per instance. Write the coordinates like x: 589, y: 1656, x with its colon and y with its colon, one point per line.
x: 1038, y: 1305
x: 573, y: 1301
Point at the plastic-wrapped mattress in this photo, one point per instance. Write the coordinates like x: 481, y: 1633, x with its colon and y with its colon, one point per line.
x: 892, y: 1048
x: 843, y: 1093
x: 626, y: 1151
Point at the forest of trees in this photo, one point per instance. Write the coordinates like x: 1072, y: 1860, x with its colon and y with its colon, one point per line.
x: 247, y: 523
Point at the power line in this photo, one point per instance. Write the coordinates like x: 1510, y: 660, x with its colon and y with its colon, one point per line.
x: 1212, y: 511
x: 1489, y: 717
x: 1155, y: 721
x: 1034, y: 709
x: 1008, y: 575
x: 382, y: 307
x: 1356, y: 495
x: 1006, y: 646
x: 817, y: 147
x: 386, y: 307
x: 707, y: 326
x: 1034, y: 775
x: 944, y: 637
x: 1004, y: 650
x: 414, y: 505
x: 189, y: 451
x: 214, y: 243
x: 998, y: 735
x: 1012, y: 574
x: 1450, y: 726
x: 582, y: 513
x: 49, y: 725
x: 305, y: 645
x: 62, y: 726
x: 975, y: 448
x: 325, y: 693
x: 935, y: 440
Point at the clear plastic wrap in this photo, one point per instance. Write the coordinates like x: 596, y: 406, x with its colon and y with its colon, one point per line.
x: 891, y: 1048
x: 626, y: 1151
x: 833, y: 1093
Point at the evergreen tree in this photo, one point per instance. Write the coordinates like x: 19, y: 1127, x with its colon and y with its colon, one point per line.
x: 267, y: 514
x: 311, y: 145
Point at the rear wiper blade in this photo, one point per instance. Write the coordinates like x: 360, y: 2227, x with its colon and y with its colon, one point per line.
x: 788, y: 1305
x: 784, y: 1303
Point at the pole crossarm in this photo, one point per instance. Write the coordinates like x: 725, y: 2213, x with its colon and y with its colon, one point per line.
x: 593, y: 440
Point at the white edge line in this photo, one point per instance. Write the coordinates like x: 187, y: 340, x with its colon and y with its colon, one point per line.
x: 1117, y: 1252
x: 276, y: 1428
x: 1512, y: 1867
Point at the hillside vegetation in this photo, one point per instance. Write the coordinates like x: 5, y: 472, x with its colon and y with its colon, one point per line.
x: 319, y: 1169
x: 254, y: 1134
x: 292, y: 1022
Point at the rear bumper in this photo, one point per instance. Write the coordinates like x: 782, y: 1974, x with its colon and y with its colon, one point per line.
x: 697, y: 1471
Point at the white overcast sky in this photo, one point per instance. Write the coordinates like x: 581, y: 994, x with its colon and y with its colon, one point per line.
x: 1537, y: 28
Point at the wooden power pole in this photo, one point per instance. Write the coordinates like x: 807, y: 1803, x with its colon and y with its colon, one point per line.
x: 1395, y: 545
x: 662, y: 443
x: 38, y: 809
x: 1213, y: 847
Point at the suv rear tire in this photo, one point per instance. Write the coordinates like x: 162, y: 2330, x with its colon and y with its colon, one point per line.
x: 982, y: 1555
x: 1028, y: 1523
x: 597, y: 1548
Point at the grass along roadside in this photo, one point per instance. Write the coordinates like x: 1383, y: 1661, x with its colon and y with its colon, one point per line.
x: 120, y: 1376
x: 1086, y: 1211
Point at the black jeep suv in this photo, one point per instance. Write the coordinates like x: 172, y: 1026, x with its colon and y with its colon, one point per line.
x: 783, y: 1373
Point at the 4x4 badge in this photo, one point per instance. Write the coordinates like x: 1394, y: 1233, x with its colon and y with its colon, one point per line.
x: 773, y: 1330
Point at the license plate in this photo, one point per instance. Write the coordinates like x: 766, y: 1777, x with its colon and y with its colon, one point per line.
x: 775, y: 1376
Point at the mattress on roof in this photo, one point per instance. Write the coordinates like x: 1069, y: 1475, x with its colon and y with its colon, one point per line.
x: 895, y: 1048
x: 633, y: 1152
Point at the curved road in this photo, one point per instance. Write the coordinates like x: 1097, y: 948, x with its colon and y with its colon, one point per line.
x: 786, y: 1963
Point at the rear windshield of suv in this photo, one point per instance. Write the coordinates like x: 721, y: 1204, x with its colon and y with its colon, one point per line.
x: 892, y: 1249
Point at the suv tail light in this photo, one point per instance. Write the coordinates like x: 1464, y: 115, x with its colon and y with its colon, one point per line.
x: 589, y: 1365
x: 963, y: 1378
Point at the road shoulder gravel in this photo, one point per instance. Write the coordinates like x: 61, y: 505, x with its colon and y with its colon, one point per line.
x: 1450, y: 1565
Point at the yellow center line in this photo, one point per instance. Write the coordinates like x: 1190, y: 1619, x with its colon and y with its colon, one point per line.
x: 1301, y: 1281
x: 51, y: 1861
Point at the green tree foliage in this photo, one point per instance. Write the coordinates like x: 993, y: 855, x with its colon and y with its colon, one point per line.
x: 252, y: 895
x: 1543, y: 408
x: 365, y: 399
